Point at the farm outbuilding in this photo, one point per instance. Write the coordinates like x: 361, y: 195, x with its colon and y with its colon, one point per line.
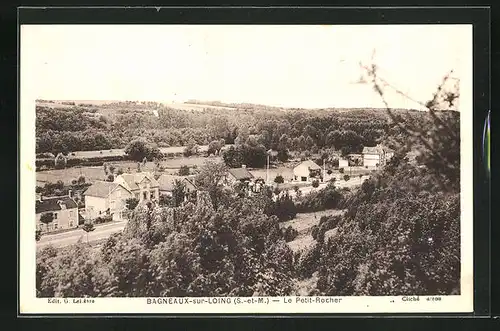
x: 306, y: 171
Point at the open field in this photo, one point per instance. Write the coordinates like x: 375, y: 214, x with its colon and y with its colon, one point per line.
x: 97, y: 173
x: 195, y: 107
x: 303, y: 224
x: 121, y: 151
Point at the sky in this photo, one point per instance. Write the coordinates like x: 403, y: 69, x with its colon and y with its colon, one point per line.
x: 290, y: 66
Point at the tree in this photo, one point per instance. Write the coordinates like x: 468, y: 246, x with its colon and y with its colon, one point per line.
x: 38, y: 235
x: 178, y: 192
x: 60, y: 161
x: 81, y: 180
x: 88, y: 227
x: 210, y: 178
x: 138, y: 149
x: 346, y: 177
x: 279, y: 179
x: 341, y: 170
x: 112, y: 169
x: 214, y: 147
x: 110, y: 178
x: 184, y: 170
x: 131, y: 203
x: 47, y: 218
x: 315, y: 183
x: 191, y: 149
x: 309, y: 143
x: 166, y: 200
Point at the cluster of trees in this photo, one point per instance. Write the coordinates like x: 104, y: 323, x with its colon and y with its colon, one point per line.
x: 140, y: 149
x: 97, y: 128
x: 191, y: 250
x: 400, y: 236
x: 329, y: 197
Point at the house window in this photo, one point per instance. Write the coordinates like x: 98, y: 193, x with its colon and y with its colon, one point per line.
x: 304, y: 179
x: 144, y: 195
x: 55, y: 216
x: 137, y: 196
x: 112, y: 204
x: 70, y: 224
x: 55, y: 226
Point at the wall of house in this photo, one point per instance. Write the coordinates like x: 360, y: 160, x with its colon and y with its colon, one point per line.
x: 117, y: 200
x: 301, y: 171
x: 146, y: 191
x: 63, y: 219
x: 95, y: 206
x: 371, y: 160
x: 343, y: 163
x: 189, y: 187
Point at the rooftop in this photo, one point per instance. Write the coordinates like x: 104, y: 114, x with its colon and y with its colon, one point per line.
x: 310, y: 164
x: 54, y: 204
x: 240, y: 173
x: 167, y: 182
x: 101, y: 189
x: 133, y: 180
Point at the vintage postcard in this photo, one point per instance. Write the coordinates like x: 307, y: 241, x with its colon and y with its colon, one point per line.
x: 234, y: 169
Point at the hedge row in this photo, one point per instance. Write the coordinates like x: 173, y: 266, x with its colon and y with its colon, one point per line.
x: 71, y: 162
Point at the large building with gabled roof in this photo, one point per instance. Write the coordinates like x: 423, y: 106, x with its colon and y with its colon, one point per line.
x: 106, y: 199
x: 63, y: 213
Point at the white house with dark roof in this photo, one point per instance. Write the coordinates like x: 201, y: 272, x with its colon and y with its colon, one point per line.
x: 142, y: 185
x: 376, y: 156
x: 306, y: 171
x: 64, y: 212
x: 236, y: 175
x: 106, y: 199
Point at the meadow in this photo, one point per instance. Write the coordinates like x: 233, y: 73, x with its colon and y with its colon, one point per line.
x: 91, y: 174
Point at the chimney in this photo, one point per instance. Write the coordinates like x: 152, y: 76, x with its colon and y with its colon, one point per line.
x: 243, y: 166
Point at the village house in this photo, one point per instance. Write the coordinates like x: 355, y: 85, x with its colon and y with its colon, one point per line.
x: 106, y: 199
x: 63, y: 213
x: 307, y: 171
x: 376, y: 156
x: 142, y: 185
x: 238, y: 175
x: 167, y: 184
x: 343, y: 163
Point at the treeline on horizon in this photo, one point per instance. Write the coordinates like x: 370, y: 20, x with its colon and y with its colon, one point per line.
x: 85, y: 127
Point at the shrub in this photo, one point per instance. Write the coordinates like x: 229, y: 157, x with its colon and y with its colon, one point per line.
x: 329, y: 171
x: 308, y: 261
x: 279, y: 179
x: 346, y: 177
x: 341, y: 170
x: 184, y: 171
x: 289, y: 234
x: 315, y: 183
x: 314, y: 231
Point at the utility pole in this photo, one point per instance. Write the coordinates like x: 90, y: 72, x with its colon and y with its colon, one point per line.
x: 324, y: 170
x: 267, y: 167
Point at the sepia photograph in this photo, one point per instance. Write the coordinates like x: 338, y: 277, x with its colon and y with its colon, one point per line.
x: 246, y: 168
